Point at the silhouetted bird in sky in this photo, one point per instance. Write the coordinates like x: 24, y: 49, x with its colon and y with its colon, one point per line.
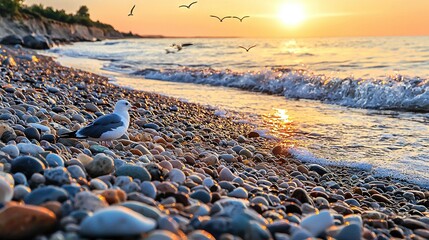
x: 220, y: 19
x: 187, y: 6
x: 241, y: 19
x: 247, y: 49
x: 131, y: 12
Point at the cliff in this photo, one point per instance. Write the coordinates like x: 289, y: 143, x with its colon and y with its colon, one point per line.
x: 54, y: 30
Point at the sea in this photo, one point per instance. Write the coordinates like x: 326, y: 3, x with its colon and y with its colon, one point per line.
x: 359, y: 102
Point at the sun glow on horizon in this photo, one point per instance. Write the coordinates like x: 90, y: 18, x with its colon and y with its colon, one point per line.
x: 292, y: 14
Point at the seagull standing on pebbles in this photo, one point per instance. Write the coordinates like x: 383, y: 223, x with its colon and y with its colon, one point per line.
x: 107, y: 127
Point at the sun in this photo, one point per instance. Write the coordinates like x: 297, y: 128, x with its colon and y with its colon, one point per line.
x: 292, y: 14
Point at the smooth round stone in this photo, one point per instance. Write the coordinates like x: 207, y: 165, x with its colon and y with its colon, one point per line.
x: 134, y: 171
x: 260, y: 200
x: 176, y: 175
x: 317, y: 168
x: 152, y: 126
x: 32, y: 119
x: 20, y: 192
x: 238, y: 193
x: 200, y: 235
x: 350, y: 232
x: 237, y: 148
x: 208, y: 182
x: 25, y: 222
x: 11, y: 150
x: 72, y: 190
x: 57, y: 176
x: 32, y: 133
x: 168, y: 223
x: 162, y: 235
x: 143, y: 209
x: 301, y: 195
x: 97, y: 184
x: 88, y: 201
x: 54, y: 160
x: 27, y: 165
x: 226, y: 174
x: 301, y: 234
x: 46, y: 194
x: 29, y: 148
x: 76, y: 172
x: 49, y: 138
x: 148, y: 189
x: 202, y: 196
x: 246, y: 152
x: 318, y: 223
x: 115, y: 222
x: 53, y: 89
x: 84, y: 159
x: 354, y: 218
x: 20, y: 178
x: 98, y: 149
x: 227, y: 157
x: 6, y: 190
x: 100, y: 165
x: 37, y: 179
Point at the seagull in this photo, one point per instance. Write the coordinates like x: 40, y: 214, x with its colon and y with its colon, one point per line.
x: 220, y: 19
x: 241, y: 19
x: 168, y: 51
x: 179, y: 47
x: 131, y: 12
x: 188, y: 6
x: 107, y: 127
x: 247, y: 49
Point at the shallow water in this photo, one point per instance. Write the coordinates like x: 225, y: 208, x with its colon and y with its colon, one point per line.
x: 389, y: 143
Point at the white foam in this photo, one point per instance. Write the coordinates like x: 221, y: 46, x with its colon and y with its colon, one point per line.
x: 389, y: 93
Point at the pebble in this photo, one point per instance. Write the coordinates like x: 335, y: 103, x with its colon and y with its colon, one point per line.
x: 20, y: 192
x: 29, y: 148
x: 54, y: 160
x: 89, y: 202
x: 27, y: 165
x: 100, y: 165
x: 317, y: 223
x: 46, y: 194
x: 202, y: 196
x: 57, y: 176
x: 25, y: 222
x: 148, y: 189
x: 176, y: 175
x: 134, y: 171
x: 115, y: 222
x: 226, y: 174
x: 6, y: 190
x: 12, y: 150
x: 238, y: 193
x: 143, y: 209
x: 350, y: 232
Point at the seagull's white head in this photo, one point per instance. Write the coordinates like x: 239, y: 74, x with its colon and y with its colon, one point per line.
x: 122, y: 106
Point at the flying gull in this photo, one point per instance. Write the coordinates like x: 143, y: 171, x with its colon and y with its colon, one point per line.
x: 187, y: 6
x: 220, y: 19
x: 131, y: 12
x: 241, y: 19
x: 247, y: 49
x: 107, y: 127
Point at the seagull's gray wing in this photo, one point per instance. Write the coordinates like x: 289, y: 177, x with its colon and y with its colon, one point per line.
x: 101, y: 125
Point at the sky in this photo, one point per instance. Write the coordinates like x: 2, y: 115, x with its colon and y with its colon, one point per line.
x: 269, y: 18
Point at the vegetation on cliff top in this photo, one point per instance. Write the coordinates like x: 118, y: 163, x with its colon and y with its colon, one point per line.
x: 16, y: 8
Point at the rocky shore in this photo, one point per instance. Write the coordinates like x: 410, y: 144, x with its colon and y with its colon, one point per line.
x: 181, y: 172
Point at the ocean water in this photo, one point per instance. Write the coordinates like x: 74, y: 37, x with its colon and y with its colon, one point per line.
x: 358, y: 102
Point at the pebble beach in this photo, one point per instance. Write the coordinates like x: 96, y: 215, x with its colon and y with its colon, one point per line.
x: 181, y: 171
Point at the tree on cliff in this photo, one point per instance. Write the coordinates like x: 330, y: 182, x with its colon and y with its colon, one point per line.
x: 83, y: 12
x: 10, y: 7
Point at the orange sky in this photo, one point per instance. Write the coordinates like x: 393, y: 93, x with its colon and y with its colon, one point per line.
x: 324, y: 18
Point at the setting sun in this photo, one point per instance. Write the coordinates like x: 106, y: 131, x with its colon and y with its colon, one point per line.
x: 292, y: 14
